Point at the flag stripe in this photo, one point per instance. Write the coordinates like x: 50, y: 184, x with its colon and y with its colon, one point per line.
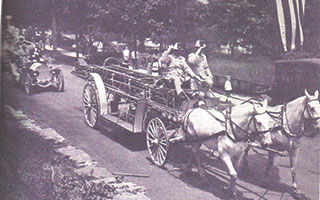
x: 282, y: 24
x: 290, y: 15
x: 293, y: 25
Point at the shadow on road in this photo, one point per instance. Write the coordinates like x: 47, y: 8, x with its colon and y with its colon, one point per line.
x: 131, y: 141
x: 218, y: 177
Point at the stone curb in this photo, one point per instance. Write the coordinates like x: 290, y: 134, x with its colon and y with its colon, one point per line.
x: 85, y: 165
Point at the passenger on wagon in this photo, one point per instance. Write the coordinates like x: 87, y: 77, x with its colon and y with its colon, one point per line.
x: 178, y: 69
x: 199, y: 64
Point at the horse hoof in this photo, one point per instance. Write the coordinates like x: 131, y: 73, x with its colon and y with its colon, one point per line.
x: 229, y: 192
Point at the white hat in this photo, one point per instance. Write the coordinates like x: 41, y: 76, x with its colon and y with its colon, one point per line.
x: 177, y: 46
x: 197, y: 43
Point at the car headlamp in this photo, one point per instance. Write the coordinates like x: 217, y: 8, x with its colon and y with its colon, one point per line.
x: 35, y: 73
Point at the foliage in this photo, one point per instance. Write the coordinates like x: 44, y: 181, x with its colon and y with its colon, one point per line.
x: 242, y: 23
x: 245, y: 23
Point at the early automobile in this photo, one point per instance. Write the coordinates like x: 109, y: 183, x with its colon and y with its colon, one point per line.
x: 38, y: 74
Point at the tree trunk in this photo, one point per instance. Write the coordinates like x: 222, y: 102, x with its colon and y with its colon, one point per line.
x: 54, y: 31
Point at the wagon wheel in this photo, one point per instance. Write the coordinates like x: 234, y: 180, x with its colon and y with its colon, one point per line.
x: 60, y: 82
x: 157, y: 142
x: 91, y: 104
x: 27, y: 84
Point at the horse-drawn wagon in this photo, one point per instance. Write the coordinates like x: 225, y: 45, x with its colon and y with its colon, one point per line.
x: 134, y: 101
x: 131, y: 100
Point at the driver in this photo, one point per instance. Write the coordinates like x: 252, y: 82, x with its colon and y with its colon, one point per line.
x: 199, y: 64
x: 22, y: 49
x: 178, y: 69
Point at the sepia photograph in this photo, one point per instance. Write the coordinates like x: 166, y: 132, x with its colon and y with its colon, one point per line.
x: 160, y: 99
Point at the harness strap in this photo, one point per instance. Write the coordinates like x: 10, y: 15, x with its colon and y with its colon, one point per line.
x: 185, y: 123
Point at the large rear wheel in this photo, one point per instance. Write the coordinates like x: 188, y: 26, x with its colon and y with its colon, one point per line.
x: 157, y: 142
x: 91, y: 104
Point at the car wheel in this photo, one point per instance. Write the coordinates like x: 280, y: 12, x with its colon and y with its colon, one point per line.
x: 60, y: 82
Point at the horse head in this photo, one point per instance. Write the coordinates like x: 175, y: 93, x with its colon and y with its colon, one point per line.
x: 262, y: 122
x: 312, y: 109
x: 251, y: 121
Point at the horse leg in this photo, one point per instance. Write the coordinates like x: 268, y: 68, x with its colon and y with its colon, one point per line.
x: 245, y: 158
x: 293, y: 155
x: 194, y: 150
x: 233, y: 174
x: 189, y: 164
x: 237, y: 160
x: 271, y: 156
x: 201, y: 171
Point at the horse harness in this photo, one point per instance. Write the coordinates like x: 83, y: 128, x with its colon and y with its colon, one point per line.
x: 249, y: 136
x: 283, y: 113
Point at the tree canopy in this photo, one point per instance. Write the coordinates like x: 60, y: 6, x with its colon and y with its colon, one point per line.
x: 245, y: 23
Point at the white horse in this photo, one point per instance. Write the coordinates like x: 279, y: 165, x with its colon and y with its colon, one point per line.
x: 226, y: 133
x: 291, y: 117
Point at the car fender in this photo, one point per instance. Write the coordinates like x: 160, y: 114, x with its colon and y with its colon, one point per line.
x: 102, y: 96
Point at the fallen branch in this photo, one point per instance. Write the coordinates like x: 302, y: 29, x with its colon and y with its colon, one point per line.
x: 130, y: 174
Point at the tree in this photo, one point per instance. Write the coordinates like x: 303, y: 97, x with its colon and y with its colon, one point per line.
x: 241, y: 23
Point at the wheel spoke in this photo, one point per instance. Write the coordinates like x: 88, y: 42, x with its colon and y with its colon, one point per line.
x: 86, y: 109
x: 92, y: 116
x: 89, y: 114
x: 161, y: 154
x: 85, y: 101
x: 151, y: 134
x: 154, y: 150
x: 85, y: 95
x: 152, y: 129
x: 162, y: 148
x: 94, y: 109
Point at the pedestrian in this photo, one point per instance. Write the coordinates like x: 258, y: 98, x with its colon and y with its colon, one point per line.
x: 134, y: 58
x: 126, y: 54
x: 228, y: 87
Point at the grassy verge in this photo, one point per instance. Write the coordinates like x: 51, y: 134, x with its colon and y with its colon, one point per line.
x: 32, y: 169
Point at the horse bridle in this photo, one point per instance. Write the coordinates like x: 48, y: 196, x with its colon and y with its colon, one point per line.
x: 249, y: 136
x: 285, y: 114
x: 306, y: 107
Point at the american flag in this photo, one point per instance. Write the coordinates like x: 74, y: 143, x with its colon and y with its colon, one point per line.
x: 290, y: 15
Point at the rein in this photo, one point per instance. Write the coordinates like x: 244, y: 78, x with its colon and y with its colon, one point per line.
x: 248, y: 134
